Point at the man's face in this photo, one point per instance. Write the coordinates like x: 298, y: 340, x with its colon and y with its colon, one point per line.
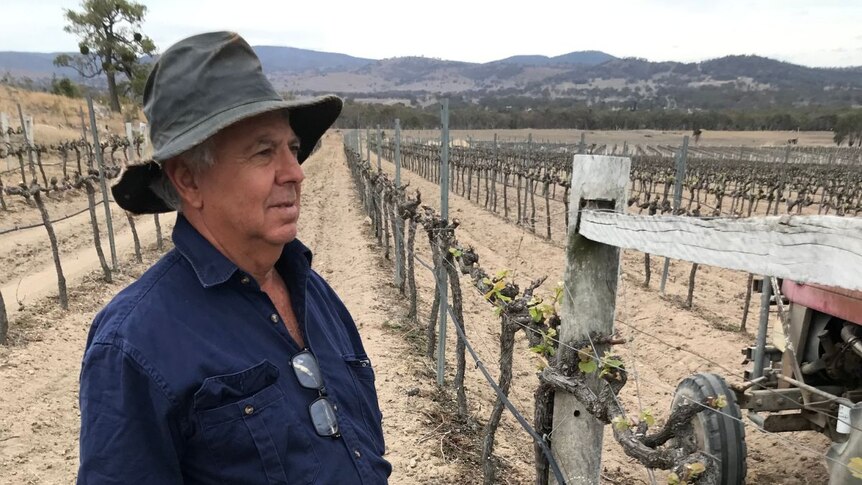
x: 252, y: 191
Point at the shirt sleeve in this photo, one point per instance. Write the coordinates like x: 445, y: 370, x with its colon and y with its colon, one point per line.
x: 126, y: 431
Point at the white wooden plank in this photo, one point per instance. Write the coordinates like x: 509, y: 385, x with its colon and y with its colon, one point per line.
x: 808, y: 249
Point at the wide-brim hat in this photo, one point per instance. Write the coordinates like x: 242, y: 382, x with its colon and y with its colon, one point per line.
x: 200, y: 86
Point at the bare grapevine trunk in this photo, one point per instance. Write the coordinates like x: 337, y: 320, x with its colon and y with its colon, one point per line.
x: 507, y: 343
x: 137, y: 240
x: 94, y: 223
x: 411, y: 269
x: 4, y: 321
x: 543, y: 420
x: 647, y: 269
x: 55, y: 250
x: 431, y: 332
x: 458, y: 310
x: 688, y: 300
x: 159, y: 242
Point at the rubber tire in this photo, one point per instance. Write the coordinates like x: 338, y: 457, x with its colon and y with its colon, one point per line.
x: 715, y: 433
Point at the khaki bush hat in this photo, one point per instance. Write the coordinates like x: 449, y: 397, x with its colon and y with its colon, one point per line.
x: 200, y: 86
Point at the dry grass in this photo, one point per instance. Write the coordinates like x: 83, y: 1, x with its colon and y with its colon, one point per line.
x: 55, y: 118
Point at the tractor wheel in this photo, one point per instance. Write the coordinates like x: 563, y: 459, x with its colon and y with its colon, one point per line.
x: 715, y: 434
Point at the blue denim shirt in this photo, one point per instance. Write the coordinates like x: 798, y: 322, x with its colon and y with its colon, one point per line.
x: 187, y: 378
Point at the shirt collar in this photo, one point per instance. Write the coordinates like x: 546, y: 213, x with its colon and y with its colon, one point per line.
x: 211, y: 266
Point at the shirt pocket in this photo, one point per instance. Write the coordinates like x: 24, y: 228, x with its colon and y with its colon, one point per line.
x: 362, y: 374
x: 245, y: 421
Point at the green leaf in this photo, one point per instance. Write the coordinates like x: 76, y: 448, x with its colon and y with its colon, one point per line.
x: 502, y: 274
x: 673, y: 479
x: 612, y: 363
x: 695, y: 469
x: 538, y: 349
x: 455, y: 252
x: 855, y: 466
x: 621, y: 423
x: 647, y: 417
x: 718, y: 402
x: 535, y: 314
x: 498, y: 310
x: 588, y: 367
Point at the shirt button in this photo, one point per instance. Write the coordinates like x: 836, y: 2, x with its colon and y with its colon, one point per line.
x: 357, y: 453
x: 244, y: 280
x: 274, y: 318
x: 249, y: 409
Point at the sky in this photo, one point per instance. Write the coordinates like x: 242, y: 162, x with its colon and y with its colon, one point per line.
x: 821, y: 33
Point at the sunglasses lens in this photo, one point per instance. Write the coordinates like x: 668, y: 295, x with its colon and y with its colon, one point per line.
x: 323, y: 417
x: 307, y: 370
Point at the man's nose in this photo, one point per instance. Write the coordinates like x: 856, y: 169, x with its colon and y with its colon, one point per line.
x: 289, y: 169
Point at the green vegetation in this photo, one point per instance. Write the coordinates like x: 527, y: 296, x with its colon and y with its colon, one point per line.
x: 518, y: 113
x: 110, y: 43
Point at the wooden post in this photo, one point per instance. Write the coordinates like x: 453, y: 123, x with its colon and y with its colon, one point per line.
x: 398, y: 229
x: 592, y: 271
x: 28, y: 130
x: 677, y: 199
x: 762, y: 328
x: 104, y: 186
x: 444, y: 213
x: 379, y: 150
x: 368, y: 144
x: 130, y: 150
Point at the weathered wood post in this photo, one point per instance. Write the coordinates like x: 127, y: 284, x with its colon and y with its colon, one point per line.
x: 399, y: 222
x: 379, y: 150
x: 130, y: 136
x: 444, y: 213
x: 677, y: 200
x: 103, y: 183
x: 592, y: 271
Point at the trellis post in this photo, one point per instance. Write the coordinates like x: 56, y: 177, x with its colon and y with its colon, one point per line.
x: 592, y: 272
x: 444, y: 213
x: 102, y: 182
x: 677, y: 199
x: 399, y: 232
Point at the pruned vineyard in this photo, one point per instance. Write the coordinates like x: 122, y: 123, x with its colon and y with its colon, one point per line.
x: 76, y: 167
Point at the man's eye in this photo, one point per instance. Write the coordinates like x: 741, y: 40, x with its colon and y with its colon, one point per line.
x: 265, y: 153
x: 294, y: 149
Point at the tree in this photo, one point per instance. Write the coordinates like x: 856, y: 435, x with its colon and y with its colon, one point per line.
x: 110, y: 42
x: 65, y: 87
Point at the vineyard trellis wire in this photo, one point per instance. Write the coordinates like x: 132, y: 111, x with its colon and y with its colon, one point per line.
x: 84, y: 175
x: 427, y: 168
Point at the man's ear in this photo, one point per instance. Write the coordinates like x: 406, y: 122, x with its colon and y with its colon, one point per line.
x: 185, y: 181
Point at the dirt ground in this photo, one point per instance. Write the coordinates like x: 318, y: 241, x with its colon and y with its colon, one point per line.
x: 39, y: 367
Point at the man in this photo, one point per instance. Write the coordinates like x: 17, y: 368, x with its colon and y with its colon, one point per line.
x: 230, y: 360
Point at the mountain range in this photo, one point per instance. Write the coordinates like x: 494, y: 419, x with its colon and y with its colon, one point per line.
x: 588, y: 77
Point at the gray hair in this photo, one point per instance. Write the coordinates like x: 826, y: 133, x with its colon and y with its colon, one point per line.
x: 197, y: 159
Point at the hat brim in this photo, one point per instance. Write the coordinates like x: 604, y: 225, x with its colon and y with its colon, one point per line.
x: 309, y: 120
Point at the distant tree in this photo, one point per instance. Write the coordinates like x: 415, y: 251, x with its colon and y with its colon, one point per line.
x: 110, y: 42
x: 848, y: 128
x: 65, y: 87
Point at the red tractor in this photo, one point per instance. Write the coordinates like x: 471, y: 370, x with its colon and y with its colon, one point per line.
x: 807, y: 378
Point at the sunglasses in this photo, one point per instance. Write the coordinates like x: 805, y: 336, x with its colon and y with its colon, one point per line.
x: 322, y: 410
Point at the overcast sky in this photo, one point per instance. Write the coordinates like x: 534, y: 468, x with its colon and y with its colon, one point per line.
x: 812, y: 32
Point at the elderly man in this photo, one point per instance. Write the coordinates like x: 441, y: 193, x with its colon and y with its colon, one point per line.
x: 230, y: 361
